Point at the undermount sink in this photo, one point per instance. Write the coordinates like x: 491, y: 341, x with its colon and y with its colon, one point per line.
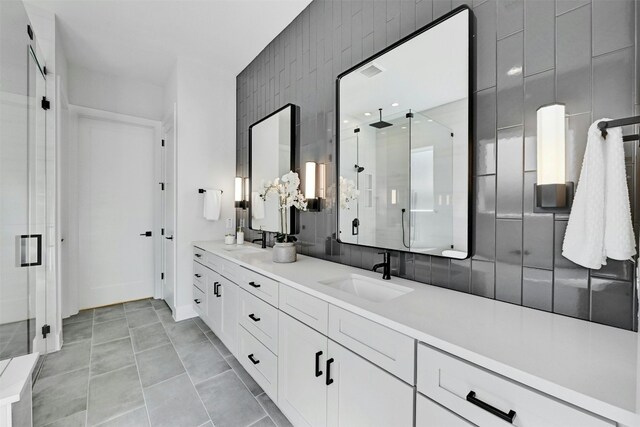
x: 241, y: 249
x: 367, y: 288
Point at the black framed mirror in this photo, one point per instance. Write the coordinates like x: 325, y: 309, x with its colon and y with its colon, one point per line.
x: 272, y: 153
x: 404, y: 123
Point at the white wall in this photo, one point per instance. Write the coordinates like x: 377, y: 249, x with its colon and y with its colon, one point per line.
x: 206, y: 109
x: 94, y: 89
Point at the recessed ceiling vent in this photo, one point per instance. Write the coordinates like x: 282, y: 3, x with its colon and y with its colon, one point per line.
x: 371, y: 70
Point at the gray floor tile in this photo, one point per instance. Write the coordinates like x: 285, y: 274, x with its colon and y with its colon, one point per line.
x: 59, y: 396
x: 80, y: 317
x: 202, y: 360
x: 137, y: 305
x: 264, y: 422
x: 203, y: 326
x: 165, y: 316
x: 159, y: 304
x: 113, y: 394
x: 150, y: 336
x: 228, y: 401
x: 77, y: 331
x: 78, y: 419
x: 184, y: 332
x: 219, y: 344
x: 175, y: 403
x: 274, y: 412
x: 142, y: 317
x: 70, y: 358
x: 112, y: 355
x: 110, y: 312
x: 158, y: 364
x: 244, y: 376
x: 136, y: 418
x: 109, y: 331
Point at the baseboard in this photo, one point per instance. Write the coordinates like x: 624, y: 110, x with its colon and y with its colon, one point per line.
x: 184, y: 312
x: 56, y: 342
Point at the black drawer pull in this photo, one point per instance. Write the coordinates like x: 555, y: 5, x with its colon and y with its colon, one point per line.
x: 318, y: 371
x: 254, y: 284
x: 254, y: 318
x: 197, y: 301
x: 198, y: 255
x: 198, y: 275
x: 471, y: 397
x: 329, y: 379
x: 216, y: 289
x: 254, y: 361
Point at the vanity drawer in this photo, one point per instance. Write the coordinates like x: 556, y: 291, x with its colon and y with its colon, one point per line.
x: 305, y: 308
x: 214, y: 262
x: 260, y: 319
x: 199, y: 274
x: 232, y: 271
x: 264, y: 366
x: 264, y: 288
x: 429, y: 414
x: 198, y: 254
x: 199, y: 301
x: 385, y: 347
x: 451, y: 381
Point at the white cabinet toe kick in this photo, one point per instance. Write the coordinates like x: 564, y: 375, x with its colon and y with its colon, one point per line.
x: 324, y: 364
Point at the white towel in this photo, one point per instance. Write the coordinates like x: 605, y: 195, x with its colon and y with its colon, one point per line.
x: 600, y: 221
x: 212, y: 204
x: 257, y: 206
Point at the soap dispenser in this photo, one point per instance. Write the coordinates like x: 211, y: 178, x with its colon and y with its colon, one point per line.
x: 240, y: 233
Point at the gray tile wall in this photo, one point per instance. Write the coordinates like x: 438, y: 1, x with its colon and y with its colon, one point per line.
x: 579, y: 52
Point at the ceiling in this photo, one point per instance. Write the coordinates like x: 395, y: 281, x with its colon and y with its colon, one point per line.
x: 142, y: 38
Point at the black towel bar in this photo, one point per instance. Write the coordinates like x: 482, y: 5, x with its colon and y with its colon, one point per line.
x: 604, y: 125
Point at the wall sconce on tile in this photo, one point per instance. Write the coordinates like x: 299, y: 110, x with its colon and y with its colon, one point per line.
x: 314, y: 185
x: 239, y: 192
x: 551, y: 192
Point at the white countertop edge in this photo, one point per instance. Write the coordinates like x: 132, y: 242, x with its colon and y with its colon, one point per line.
x: 15, y: 376
x: 599, y: 407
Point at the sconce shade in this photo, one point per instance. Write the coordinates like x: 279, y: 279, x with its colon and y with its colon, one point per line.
x: 551, y: 144
x: 238, y: 189
x: 310, y: 180
x: 322, y: 180
x: 247, y: 190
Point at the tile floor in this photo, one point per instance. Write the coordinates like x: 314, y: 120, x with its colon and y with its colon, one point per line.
x: 132, y: 365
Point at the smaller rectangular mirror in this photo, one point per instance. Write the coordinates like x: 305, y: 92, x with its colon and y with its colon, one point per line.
x: 272, y: 142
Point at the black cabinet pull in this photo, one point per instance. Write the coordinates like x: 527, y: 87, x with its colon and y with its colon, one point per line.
x: 198, y: 275
x: 216, y: 286
x: 218, y: 294
x: 197, y: 301
x: 471, y: 397
x: 254, y: 284
x: 329, y: 379
x: 254, y: 361
x: 318, y: 371
x: 198, y: 255
x: 254, y: 318
x: 147, y: 234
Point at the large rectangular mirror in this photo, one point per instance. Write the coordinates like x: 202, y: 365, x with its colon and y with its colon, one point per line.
x: 405, y: 143
x: 272, y: 142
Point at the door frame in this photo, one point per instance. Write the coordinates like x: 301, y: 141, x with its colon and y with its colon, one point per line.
x: 77, y: 112
x: 169, y: 123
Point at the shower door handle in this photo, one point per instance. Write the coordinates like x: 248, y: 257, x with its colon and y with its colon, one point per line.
x: 355, y: 224
x: 25, y: 246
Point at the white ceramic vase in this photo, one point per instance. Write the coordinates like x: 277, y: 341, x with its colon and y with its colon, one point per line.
x: 284, y: 252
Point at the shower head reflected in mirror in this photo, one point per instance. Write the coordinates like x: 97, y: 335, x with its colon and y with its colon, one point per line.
x: 358, y: 168
x: 381, y: 124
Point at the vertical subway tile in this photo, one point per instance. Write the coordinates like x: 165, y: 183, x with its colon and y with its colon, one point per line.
x: 485, y: 45
x: 407, y: 17
x: 539, y: 90
x: 575, y: 145
x: 484, y: 224
x: 509, y: 260
x: 406, y: 265
x: 483, y: 278
x: 510, y: 17
x: 510, y: 91
x: 537, y: 231
x: 563, y: 6
x: 441, y: 7
x: 615, y: 26
x: 440, y: 271
x: 485, y: 135
x: 422, y: 268
x: 424, y: 12
x: 570, y: 281
x: 509, y: 173
x: 612, y: 302
x: 460, y: 275
x: 613, y: 84
x: 620, y: 270
x: 537, y: 288
x: 539, y: 36
x: 573, y: 60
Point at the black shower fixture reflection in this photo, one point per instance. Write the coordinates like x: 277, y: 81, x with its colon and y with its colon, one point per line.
x: 380, y: 124
x: 358, y: 168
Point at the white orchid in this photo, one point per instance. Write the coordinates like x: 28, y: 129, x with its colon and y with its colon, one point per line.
x: 348, y: 193
x: 289, y: 195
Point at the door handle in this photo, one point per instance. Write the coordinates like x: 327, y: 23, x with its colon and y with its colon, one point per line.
x: 147, y: 234
x: 329, y: 379
x: 318, y: 371
x: 197, y: 301
x: 254, y: 284
x: 355, y: 226
x: 254, y: 361
x: 508, y: 417
x: 254, y: 318
x: 24, y: 250
x: 198, y: 275
x: 170, y: 238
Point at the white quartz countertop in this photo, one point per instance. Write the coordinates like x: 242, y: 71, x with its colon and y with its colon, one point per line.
x: 14, y: 374
x: 592, y: 366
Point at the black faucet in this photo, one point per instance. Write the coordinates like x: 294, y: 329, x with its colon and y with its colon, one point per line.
x: 262, y: 240
x: 386, y: 264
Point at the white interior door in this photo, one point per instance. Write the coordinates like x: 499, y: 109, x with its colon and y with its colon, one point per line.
x: 169, y: 212
x: 115, y: 210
